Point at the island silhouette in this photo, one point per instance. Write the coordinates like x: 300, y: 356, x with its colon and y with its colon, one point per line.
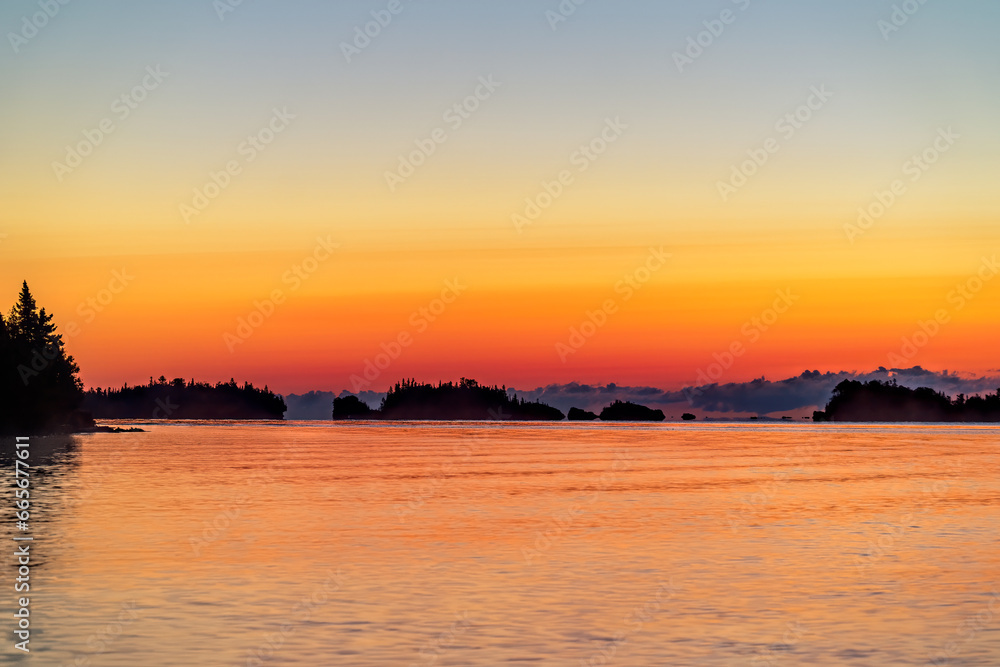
x: 466, y: 400
x: 578, y: 415
x: 624, y: 411
x: 41, y: 393
x: 178, y: 399
x: 878, y: 401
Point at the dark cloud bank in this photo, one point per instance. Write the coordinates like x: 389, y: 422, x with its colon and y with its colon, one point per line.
x: 797, y: 395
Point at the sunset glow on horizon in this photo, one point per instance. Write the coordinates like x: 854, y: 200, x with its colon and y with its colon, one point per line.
x: 525, y: 200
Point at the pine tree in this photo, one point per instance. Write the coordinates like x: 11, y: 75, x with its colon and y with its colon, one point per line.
x: 38, y: 379
x: 23, y: 318
x: 9, y: 405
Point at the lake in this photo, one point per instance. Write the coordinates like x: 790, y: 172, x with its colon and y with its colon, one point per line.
x: 421, y: 544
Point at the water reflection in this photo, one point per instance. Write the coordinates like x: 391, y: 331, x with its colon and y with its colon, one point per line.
x: 472, y: 544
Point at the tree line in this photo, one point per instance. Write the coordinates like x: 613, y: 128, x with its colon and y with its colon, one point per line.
x: 41, y: 392
x: 468, y: 400
x: 877, y: 401
x: 178, y: 399
x: 465, y: 400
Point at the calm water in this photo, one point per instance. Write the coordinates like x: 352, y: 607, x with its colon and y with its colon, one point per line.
x: 463, y: 544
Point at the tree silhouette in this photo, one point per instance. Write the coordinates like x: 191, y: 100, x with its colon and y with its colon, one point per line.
x: 620, y: 411
x: 875, y: 401
x: 176, y: 399
x: 39, y: 387
x: 578, y: 415
x: 467, y: 400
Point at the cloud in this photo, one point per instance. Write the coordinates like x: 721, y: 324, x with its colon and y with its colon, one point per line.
x: 810, y: 390
x: 318, y: 405
x: 806, y: 392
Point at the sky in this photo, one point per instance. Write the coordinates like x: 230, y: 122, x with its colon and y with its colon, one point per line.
x: 644, y: 193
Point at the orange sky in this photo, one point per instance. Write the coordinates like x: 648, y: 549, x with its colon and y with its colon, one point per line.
x: 621, y: 153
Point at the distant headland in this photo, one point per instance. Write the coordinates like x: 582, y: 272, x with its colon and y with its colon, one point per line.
x: 465, y: 400
x: 623, y: 411
x: 178, y: 399
x: 41, y: 393
x: 877, y: 401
